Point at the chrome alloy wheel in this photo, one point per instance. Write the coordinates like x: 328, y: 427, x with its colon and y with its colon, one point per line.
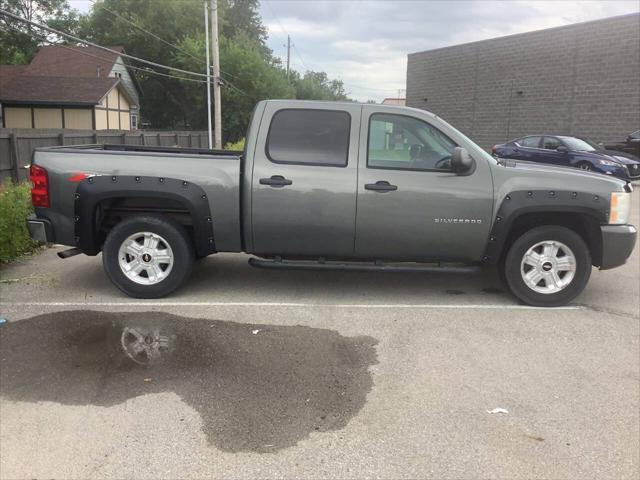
x: 145, y: 258
x: 548, y: 267
x: 585, y: 166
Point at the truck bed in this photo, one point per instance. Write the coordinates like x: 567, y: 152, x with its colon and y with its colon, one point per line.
x: 216, y: 172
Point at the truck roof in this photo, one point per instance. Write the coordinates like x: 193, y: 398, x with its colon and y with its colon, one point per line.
x: 325, y: 103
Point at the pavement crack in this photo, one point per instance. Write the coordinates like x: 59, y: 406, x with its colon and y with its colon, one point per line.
x: 609, y: 311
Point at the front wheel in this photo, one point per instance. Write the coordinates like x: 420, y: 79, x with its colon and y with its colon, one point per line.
x: 148, y: 257
x: 548, y: 266
x: 586, y: 166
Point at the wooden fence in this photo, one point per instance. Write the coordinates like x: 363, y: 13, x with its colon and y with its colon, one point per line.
x: 17, y: 144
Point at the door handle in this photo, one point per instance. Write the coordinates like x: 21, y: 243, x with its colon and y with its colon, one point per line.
x: 275, y: 181
x: 380, y: 186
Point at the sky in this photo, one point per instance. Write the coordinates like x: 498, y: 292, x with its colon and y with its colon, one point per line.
x: 365, y: 43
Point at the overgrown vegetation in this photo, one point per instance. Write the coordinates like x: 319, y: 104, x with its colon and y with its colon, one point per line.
x: 15, y: 207
x: 250, y: 70
x: 238, y: 146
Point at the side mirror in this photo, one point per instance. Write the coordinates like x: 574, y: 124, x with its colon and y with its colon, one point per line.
x: 562, y: 149
x: 462, y: 162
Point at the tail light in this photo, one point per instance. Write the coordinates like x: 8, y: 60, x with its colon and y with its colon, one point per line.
x: 493, y: 150
x: 40, y: 186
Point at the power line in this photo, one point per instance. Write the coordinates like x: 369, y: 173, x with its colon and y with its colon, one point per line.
x: 116, y: 14
x: 80, y: 40
x: 284, y: 30
x: 227, y: 82
x: 145, y: 70
x: 131, y: 22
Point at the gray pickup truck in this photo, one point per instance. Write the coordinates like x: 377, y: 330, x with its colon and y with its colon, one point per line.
x: 332, y: 185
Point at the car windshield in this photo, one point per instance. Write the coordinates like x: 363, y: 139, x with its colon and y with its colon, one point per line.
x: 593, y: 144
x: 573, y: 143
x: 635, y: 134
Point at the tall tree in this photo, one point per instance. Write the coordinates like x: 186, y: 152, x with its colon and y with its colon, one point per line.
x: 318, y: 86
x: 19, y: 47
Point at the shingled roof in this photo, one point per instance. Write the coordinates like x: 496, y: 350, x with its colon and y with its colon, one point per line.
x: 57, y: 90
x: 8, y: 73
x: 73, y: 61
x: 61, y: 75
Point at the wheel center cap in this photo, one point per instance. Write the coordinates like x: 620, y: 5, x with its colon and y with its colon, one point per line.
x: 547, y: 266
x: 146, y: 257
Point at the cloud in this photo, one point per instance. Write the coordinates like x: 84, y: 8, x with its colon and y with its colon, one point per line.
x: 366, y: 43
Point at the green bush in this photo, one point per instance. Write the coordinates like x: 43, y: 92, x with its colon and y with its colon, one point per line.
x: 239, y: 145
x: 15, y: 207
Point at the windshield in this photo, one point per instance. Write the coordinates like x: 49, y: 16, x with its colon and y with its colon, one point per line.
x: 577, y: 144
x: 593, y: 144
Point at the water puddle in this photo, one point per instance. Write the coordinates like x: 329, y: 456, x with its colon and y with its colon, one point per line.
x: 257, y: 387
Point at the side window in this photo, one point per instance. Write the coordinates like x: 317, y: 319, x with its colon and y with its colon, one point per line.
x: 311, y: 137
x: 532, y: 142
x: 551, y: 143
x: 402, y: 142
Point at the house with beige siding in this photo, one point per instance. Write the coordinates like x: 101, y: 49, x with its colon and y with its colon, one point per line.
x: 70, y: 87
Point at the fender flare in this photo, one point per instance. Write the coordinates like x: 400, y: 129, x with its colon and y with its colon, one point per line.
x: 521, y: 202
x: 95, y: 189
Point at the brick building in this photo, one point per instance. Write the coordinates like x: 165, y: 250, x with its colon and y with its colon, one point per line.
x: 581, y: 79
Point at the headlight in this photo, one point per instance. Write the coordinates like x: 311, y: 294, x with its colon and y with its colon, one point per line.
x: 620, y: 207
x: 608, y: 163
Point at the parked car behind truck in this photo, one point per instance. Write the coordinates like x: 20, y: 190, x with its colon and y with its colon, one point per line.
x: 332, y: 185
x: 631, y: 144
x: 567, y: 151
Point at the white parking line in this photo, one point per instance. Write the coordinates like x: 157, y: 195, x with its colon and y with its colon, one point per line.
x: 282, y: 304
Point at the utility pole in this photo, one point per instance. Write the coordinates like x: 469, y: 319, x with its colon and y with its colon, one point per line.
x: 288, y: 55
x: 206, y: 40
x: 215, y: 57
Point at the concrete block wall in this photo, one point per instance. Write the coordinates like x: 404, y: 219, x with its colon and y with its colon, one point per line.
x: 581, y: 79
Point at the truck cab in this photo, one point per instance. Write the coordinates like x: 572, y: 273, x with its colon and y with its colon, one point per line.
x: 348, y: 180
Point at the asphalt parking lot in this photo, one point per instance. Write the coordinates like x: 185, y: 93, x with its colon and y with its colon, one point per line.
x: 305, y: 374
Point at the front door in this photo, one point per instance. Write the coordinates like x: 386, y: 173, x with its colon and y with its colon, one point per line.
x: 304, y: 181
x: 551, y: 154
x: 411, y: 205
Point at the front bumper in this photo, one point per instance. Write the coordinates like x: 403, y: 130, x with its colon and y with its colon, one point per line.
x: 617, y: 244
x: 40, y: 229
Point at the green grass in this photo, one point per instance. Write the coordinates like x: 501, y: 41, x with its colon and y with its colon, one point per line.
x: 15, y: 207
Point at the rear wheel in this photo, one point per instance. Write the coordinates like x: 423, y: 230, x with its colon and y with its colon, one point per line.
x: 148, y: 257
x: 548, y: 266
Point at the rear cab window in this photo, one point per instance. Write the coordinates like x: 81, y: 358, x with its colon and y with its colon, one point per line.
x: 309, y: 137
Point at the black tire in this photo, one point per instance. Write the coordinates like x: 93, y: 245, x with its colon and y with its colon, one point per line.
x: 172, y: 233
x: 513, y: 260
x: 586, y: 166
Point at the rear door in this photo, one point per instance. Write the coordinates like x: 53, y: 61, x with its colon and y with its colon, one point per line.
x: 528, y: 148
x: 304, y: 180
x: 411, y: 205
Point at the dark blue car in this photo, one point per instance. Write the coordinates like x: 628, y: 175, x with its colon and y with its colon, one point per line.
x: 571, y: 152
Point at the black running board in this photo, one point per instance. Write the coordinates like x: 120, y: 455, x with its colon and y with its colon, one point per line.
x: 360, y: 266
